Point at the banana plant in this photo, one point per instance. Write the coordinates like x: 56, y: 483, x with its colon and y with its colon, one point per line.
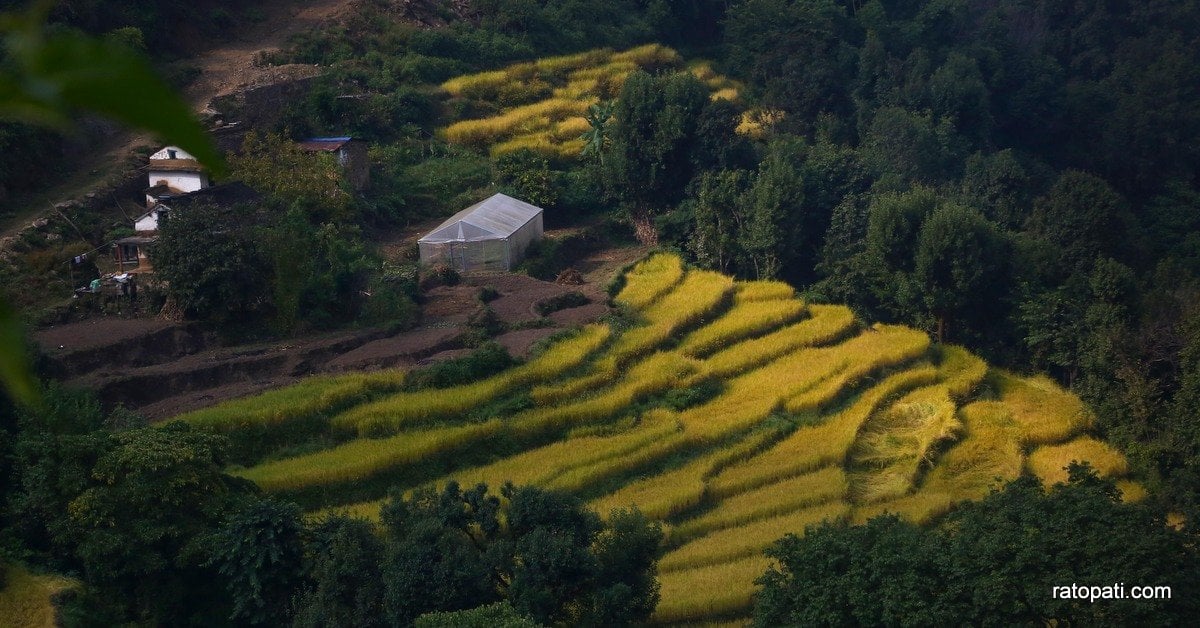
x: 595, y: 139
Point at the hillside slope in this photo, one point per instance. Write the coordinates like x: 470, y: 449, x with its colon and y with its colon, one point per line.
x: 732, y: 411
x: 223, y: 67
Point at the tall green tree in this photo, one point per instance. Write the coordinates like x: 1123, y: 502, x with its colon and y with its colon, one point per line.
x: 346, y: 584
x: 139, y: 529
x: 772, y: 228
x: 258, y: 553
x: 626, y: 551
x: 960, y: 266
x: 434, y: 559
x: 1010, y: 550
x: 894, y: 226
x: 1000, y: 186
x: 912, y: 148
x: 275, y: 165
x: 213, y: 263
x: 54, y: 447
x: 717, y: 214
x: 957, y: 93
x: 797, y: 56
x: 318, y: 271
x: 595, y: 139
x: 554, y: 561
x: 653, y: 133
x: 886, y: 572
x: 552, y: 568
x: 526, y: 175
x: 1082, y: 217
x: 1179, y: 460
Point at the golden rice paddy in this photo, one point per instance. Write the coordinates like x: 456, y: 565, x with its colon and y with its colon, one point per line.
x: 1050, y: 463
x: 554, y: 125
x: 732, y: 412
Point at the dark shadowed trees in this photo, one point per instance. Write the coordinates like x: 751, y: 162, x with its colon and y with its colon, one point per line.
x: 992, y: 562
x: 554, y: 561
x: 648, y: 162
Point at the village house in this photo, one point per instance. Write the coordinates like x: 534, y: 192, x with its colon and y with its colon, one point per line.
x: 177, y: 180
x: 173, y: 171
x: 351, y: 156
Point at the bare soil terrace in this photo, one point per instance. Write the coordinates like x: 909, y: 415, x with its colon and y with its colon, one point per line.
x: 162, y: 368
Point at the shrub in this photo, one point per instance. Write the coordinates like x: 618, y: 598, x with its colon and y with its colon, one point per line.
x: 487, y: 294
x: 439, y: 275
x: 483, y: 324
x: 488, y: 359
x: 546, y: 257
x: 563, y: 301
x: 498, y: 615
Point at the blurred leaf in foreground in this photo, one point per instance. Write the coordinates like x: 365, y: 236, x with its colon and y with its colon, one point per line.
x: 14, y: 369
x: 47, y: 75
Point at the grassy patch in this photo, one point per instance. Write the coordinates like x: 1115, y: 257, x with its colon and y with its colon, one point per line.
x: 27, y: 599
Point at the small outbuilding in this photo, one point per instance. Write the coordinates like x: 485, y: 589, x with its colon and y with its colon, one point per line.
x: 491, y: 235
x: 351, y: 156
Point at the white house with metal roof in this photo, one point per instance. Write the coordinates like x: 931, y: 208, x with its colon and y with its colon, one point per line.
x: 492, y: 234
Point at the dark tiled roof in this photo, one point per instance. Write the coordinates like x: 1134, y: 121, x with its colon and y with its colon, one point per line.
x: 329, y: 144
x: 221, y: 195
x: 136, y: 240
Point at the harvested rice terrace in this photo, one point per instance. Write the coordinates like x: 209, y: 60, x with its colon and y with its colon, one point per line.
x: 731, y: 411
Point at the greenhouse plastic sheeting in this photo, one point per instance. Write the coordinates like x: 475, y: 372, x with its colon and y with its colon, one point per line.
x: 490, y: 235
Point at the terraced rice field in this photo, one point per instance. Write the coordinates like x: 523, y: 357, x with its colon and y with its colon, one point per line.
x: 545, y: 101
x: 733, y: 412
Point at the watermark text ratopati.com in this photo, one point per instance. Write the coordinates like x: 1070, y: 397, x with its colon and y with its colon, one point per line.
x: 1115, y: 591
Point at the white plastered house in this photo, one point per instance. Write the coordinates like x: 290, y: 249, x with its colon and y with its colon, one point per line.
x: 173, y: 171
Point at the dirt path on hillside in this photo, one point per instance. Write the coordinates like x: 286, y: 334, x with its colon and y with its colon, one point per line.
x: 230, y: 66
x: 226, y: 67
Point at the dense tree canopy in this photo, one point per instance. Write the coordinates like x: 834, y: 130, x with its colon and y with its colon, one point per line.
x: 995, y: 562
x: 554, y: 561
x: 158, y: 533
x: 648, y: 162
